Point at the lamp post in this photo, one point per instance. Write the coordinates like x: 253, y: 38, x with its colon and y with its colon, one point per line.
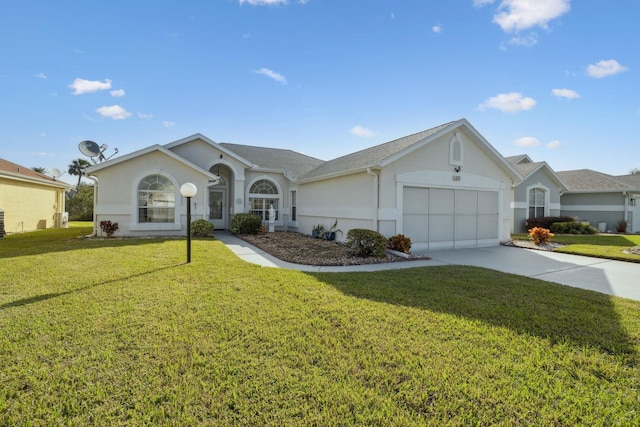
x: 188, y: 190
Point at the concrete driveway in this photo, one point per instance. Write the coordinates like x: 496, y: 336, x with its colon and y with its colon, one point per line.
x: 610, y: 277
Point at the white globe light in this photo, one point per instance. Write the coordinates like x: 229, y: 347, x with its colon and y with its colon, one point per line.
x: 188, y: 189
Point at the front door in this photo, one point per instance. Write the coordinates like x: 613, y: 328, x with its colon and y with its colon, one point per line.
x: 217, y: 208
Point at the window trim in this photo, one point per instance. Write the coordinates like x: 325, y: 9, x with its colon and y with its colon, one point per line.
x: 547, y: 200
x: 135, y: 224
x: 279, y: 197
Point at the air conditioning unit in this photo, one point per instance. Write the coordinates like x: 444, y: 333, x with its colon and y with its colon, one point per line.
x: 62, y: 220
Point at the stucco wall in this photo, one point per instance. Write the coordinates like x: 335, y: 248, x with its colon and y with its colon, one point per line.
x: 29, y: 206
x: 595, y: 208
x: 540, y: 179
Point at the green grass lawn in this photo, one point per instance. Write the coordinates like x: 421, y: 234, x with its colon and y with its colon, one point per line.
x: 122, y: 331
x: 610, y: 246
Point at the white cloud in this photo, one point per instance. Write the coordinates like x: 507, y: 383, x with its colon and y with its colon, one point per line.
x: 565, y: 93
x: 518, y: 15
x: 81, y: 86
x: 437, y: 29
x: 117, y: 93
x: 145, y: 116
x: 169, y: 124
x: 273, y: 75
x: 554, y: 144
x: 508, y: 103
x: 524, y: 41
x: 263, y: 2
x: 605, y: 68
x: 480, y: 3
x: 362, y: 131
x: 527, y: 141
x: 115, y: 112
x: 40, y: 76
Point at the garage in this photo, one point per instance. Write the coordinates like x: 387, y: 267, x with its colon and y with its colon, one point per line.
x: 439, y: 218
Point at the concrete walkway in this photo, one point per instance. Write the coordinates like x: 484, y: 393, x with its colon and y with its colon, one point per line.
x: 610, y: 277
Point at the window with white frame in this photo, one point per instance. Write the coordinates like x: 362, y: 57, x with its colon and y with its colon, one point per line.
x: 262, y: 195
x: 294, y: 214
x: 156, y: 199
x: 536, y: 202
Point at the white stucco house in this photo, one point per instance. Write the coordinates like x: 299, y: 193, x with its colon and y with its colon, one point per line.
x: 444, y: 187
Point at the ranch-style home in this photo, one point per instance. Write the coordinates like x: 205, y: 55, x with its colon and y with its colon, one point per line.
x: 445, y: 187
x: 29, y: 200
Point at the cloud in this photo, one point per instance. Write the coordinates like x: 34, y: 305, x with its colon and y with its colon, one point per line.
x: 437, y: 29
x: 169, y: 124
x: 40, y: 76
x: 527, y: 141
x: 115, y: 112
x: 361, y: 131
x: 480, y: 3
x: 145, y: 116
x: 565, y: 93
x: 117, y: 93
x: 264, y: 2
x: 508, y: 103
x: 523, y: 41
x: 554, y: 144
x: 518, y: 15
x: 605, y: 68
x: 273, y: 75
x: 81, y: 86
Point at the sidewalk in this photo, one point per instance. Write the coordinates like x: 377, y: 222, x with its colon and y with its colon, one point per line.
x: 610, y: 277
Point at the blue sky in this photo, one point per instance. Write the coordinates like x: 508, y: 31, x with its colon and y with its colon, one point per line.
x: 556, y: 79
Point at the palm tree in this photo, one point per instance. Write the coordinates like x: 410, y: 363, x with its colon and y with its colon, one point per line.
x: 77, y: 167
x: 38, y: 169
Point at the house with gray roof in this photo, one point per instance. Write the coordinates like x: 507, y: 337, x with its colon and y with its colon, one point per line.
x: 443, y: 187
x: 538, y: 194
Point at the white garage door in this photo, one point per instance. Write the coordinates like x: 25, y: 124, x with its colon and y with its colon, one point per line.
x: 436, y: 218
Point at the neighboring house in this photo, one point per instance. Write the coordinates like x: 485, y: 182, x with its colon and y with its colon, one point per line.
x: 538, y: 195
x: 443, y: 187
x: 601, y: 199
x: 30, y: 200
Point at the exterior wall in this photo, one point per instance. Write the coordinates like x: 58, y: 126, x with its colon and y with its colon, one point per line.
x: 29, y: 206
x: 595, y: 208
x: 349, y: 199
x: 540, y: 179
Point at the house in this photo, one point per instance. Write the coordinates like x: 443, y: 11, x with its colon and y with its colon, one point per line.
x: 30, y: 200
x: 539, y: 193
x: 601, y: 199
x: 443, y: 187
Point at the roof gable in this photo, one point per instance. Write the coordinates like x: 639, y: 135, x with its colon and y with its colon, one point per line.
x: 527, y: 169
x: 297, y: 164
x: 201, y: 137
x: 15, y: 171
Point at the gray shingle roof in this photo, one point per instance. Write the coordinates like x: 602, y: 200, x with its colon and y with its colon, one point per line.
x: 526, y: 168
x: 522, y: 158
x: 590, y: 180
x: 275, y: 158
x: 370, y: 156
x: 632, y: 180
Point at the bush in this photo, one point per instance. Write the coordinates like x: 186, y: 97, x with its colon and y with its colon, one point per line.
x: 400, y: 243
x: 366, y: 243
x: 571, y: 227
x: 108, y: 227
x: 545, y: 222
x: 246, y: 223
x: 540, y: 235
x: 201, y: 228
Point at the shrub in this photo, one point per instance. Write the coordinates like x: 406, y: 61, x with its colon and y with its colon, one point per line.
x: 571, y: 227
x: 108, y: 227
x: 366, y: 243
x: 201, y: 228
x: 545, y: 222
x: 246, y: 223
x: 540, y: 235
x: 400, y: 243
x: 622, y: 226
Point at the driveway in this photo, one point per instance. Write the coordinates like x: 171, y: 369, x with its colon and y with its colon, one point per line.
x: 610, y: 277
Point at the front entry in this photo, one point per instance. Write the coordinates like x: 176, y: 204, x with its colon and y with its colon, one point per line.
x: 217, y: 208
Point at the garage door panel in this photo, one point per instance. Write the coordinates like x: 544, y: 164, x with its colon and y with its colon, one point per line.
x: 418, y: 226
x: 466, y: 227
x: 441, y: 202
x: 466, y: 202
x: 487, y: 226
x: 488, y: 202
x: 416, y: 201
x: 441, y: 228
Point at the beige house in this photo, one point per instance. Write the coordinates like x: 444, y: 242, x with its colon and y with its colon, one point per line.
x: 443, y: 187
x: 30, y: 200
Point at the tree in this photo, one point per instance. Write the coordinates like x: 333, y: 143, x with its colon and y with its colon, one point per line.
x: 77, y: 167
x: 80, y: 206
x: 634, y: 171
x: 38, y: 169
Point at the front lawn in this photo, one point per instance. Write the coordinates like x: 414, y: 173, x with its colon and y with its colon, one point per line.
x: 122, y: 331
x: 610, y: 246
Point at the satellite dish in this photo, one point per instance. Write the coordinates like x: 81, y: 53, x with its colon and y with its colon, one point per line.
x: 55, y: 172
x: 89, y: 148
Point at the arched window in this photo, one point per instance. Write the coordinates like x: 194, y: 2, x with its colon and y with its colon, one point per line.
x: 156, y: 199
x: 262, y: 195
x: 456, y: 154
x: 537, y: 203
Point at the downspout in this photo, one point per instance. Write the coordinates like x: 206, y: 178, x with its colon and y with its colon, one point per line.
x: 95, y: 204
x: 375, y: 197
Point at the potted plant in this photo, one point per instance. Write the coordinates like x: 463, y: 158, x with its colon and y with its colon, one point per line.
x: 317, y: 231
x: 330, y: 233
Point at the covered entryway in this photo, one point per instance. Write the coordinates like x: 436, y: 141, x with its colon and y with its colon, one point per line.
x: 437, y: 218
x: 219, y: 197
